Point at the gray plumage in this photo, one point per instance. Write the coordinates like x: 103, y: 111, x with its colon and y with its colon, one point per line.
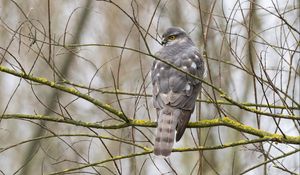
x: 174, y: 93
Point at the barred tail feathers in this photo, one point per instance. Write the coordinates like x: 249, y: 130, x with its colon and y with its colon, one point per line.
x: 165, y: 132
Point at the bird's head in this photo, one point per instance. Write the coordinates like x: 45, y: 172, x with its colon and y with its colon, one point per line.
x: 174, y: 35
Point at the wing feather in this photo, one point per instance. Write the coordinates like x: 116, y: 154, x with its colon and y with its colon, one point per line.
x: 175, y: 89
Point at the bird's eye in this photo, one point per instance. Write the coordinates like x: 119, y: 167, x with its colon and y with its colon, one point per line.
x: 172, y: 37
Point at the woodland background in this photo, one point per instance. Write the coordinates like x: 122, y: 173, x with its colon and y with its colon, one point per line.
x: 76, y: 95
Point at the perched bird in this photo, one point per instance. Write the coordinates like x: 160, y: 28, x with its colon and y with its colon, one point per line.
x: 174, y: 92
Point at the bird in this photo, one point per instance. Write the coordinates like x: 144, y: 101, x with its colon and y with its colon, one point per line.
x: 174, y: 93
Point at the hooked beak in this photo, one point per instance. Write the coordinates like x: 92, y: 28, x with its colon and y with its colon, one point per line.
x: 164, y: 41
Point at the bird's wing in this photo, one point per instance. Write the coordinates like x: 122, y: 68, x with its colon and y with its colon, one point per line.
x: 176, y: 89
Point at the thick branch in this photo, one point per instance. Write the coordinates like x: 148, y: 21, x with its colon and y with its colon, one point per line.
x: 120, y: 114
x: 69, y: 90
x: 225, y: 121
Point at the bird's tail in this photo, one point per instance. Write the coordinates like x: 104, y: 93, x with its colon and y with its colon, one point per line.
x: 165, y: 131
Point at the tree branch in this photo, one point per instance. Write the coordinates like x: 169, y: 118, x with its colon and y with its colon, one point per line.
x: 225, y: 121
x: 242, y: 142
x: 69, y: 90
x: 119, y: 113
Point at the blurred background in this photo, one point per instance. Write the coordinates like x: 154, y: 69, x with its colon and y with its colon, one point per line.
x: 251, y: 51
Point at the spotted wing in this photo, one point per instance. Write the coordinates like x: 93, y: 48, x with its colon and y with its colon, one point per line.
x: 176, y: 89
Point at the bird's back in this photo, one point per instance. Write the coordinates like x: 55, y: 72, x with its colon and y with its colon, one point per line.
x: 174, y: 92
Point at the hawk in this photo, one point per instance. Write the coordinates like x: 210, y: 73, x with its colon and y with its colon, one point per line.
x: 174, y: 92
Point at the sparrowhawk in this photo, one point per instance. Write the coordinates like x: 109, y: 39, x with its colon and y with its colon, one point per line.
x: 174, y: 92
